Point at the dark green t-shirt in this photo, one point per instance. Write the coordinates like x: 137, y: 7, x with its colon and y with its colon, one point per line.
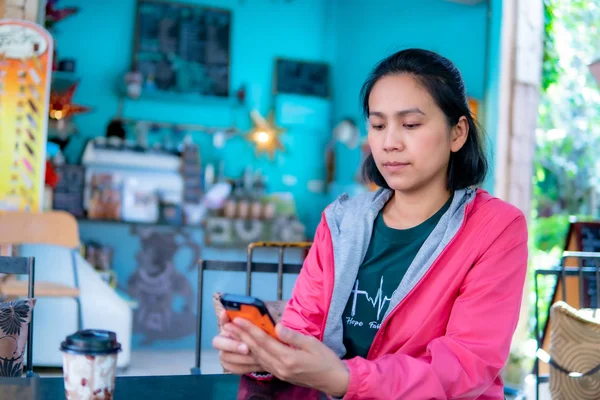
x: 390, y: 253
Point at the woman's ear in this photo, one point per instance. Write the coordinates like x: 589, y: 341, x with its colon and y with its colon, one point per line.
x: 460, y: 133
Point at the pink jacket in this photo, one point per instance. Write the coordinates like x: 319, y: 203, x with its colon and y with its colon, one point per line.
x: 448, y: 334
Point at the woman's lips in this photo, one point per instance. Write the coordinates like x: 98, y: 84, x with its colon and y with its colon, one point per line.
x: 395, y: 166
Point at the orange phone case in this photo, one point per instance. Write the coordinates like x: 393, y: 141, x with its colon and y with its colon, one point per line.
x: 251, y: 309
x: 253, y: 314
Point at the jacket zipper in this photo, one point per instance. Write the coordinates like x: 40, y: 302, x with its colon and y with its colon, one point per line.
x: 384, y: 324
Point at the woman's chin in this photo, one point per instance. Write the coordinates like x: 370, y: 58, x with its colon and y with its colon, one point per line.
x: 411, y: 184
x: 400, y: 184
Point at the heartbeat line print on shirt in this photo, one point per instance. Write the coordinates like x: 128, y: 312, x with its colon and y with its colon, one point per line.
x: 379, y: 301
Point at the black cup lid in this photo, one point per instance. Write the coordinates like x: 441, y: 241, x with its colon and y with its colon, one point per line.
x: 91, y: 341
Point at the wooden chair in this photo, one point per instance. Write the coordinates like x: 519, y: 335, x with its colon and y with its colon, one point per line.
x: 23, y: 266
x: 56, y: 228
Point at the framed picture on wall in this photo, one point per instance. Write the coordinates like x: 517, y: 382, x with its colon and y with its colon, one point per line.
x: 182, y: 49
x: 301, y: 77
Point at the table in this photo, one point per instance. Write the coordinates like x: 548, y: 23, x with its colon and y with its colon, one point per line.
x: 18, y: 288
x: 205, y: 387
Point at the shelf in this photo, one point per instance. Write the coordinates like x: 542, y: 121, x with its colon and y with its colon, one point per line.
x: 19, y: 288
x: 185, y: 98
x: 121, y: 222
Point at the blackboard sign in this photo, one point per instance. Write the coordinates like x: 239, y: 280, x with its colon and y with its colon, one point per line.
x: 182, y: 48
x: 301, y: 77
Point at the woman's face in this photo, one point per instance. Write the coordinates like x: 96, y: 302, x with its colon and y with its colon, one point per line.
x: 409, y: 134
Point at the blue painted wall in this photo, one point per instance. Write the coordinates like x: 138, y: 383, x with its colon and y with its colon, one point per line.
x: 100, y: 38
x: 350, y: 34
x: 370, y: 31
x: 492, y: 92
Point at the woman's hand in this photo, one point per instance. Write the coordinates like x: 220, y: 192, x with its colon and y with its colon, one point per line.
x: 298, y: 359
x: 233, y: 353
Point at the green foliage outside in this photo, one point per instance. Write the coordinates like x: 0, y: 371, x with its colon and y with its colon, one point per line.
x: 566, y: 167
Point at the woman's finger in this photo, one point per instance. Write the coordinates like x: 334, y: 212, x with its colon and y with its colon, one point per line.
x: 223, y: 318
x: 228, y: 334
x: 227, y: 344
x: 255, y: 337
x: 232, y: 331
x: 258, y: 346
x: 235, y: 358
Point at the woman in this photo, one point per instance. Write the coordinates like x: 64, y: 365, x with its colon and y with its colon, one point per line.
x: 414, y: 291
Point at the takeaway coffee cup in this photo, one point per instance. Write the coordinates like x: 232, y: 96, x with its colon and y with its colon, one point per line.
x: 90, y: 364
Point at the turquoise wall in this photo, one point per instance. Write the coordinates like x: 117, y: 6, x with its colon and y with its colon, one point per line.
x: 369, y: 31
x: 350, y: 34
x: 100, y: 38
x: 492, y: 89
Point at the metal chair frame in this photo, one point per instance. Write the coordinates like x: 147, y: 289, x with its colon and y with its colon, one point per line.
x: 249, y: 267
x: 561, y: 272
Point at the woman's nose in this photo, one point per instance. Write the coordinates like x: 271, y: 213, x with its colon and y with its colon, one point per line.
x: 393, y: 140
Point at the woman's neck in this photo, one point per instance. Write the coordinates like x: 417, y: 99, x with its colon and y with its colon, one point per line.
x: 408, y: 209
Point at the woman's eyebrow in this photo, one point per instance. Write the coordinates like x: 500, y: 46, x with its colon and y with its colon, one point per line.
x: 401, y: 113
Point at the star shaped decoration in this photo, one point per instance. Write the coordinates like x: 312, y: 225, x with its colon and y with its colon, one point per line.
x: 265, y: 134
x: 61, y: 104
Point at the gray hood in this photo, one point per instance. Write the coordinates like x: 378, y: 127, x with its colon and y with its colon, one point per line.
x: 350, y: 221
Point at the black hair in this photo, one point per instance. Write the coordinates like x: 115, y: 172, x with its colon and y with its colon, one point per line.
x: 441, y: 78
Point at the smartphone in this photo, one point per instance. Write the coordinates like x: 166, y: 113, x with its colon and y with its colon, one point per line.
x: 251, y: 309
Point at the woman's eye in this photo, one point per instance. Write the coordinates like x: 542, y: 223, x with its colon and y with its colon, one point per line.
x: 411, y: 126
x: 377, y: 127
